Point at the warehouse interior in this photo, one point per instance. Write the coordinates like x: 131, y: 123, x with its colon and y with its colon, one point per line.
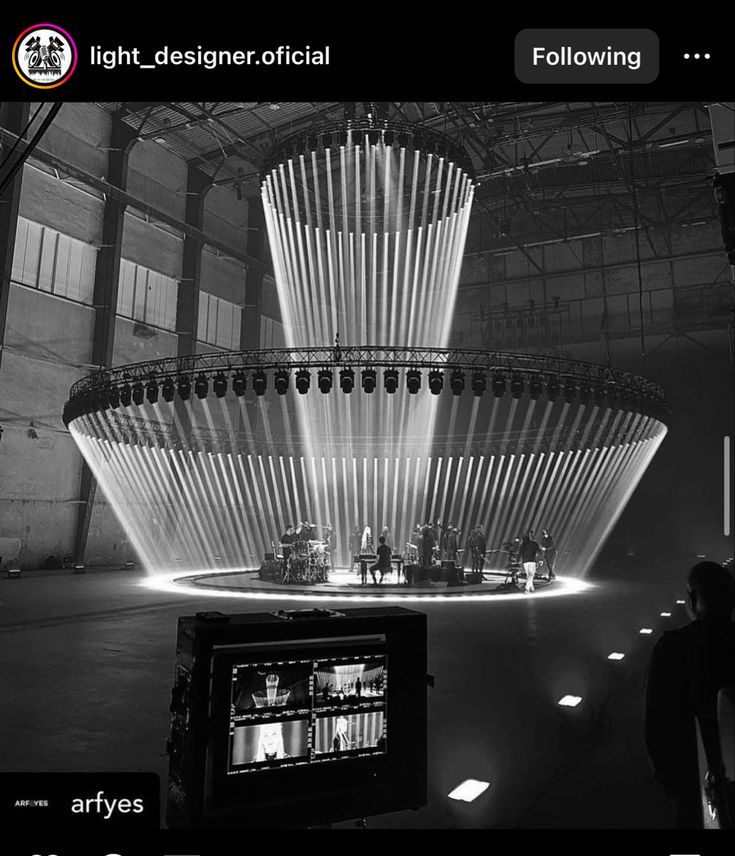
x: 136, y: 231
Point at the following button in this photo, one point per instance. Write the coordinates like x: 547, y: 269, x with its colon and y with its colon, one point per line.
x: 586, y: 56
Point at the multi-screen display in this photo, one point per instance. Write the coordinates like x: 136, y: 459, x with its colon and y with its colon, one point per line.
x: 289, y: 712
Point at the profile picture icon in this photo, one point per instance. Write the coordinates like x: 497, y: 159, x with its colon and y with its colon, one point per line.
x: 44, y: 56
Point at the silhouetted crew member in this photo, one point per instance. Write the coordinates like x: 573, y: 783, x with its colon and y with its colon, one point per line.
x: 549, y: 548
x: 687, y: 669
x: 358, y: 687
x: 383, y: 564
x: 528, y: 554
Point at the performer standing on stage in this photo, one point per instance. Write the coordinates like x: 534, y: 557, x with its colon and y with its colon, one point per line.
x: 328, y: 539
x: 549, y: 548
x: 426, y: 547
x: 287, y: 540
x: 366, y: 543
x: 366, y: 548
x: 478, y: 548
x: 529, y: 551
x: 449, y: 545
x: 306, y: 533
x: 354, y: 545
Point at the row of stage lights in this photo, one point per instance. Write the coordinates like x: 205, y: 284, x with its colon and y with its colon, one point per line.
x: 402, y: 137
x: 139, y: 391
x: 427, y: 144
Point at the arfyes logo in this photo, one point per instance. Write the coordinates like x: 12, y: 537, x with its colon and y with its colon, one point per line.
x: 44, y: 56
x: 106, y: 807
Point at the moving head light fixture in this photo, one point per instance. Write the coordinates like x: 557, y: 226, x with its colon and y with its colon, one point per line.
x: 303, y: 381
x: 457, y: 382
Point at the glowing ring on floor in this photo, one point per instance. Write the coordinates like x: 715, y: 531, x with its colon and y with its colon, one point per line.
x: 173, y: 582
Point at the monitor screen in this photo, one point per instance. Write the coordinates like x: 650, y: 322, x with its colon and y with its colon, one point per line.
x: 293, y: 712
x: 295, y: 719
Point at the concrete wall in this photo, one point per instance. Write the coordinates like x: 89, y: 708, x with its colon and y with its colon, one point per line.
x: 583, y: 290
x: 48, y: 339
x: 156, y: 247
x: 47, y: 347
x: 157, y: 177
x: 222, y: 276
x: 146, y: 344
x: 226, y: 216
x: 272, y: 334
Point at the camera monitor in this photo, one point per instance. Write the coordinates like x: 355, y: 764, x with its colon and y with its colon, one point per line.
x: 297, y: 718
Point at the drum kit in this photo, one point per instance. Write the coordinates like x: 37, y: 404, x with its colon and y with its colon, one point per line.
x: 308, y: 563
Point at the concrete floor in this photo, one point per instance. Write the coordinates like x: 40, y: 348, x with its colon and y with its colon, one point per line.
x: 86, y: 665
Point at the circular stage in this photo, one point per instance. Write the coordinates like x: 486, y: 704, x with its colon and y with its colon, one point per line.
x: 346, y: 585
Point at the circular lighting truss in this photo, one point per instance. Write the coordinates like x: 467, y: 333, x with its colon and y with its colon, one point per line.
x: 520, y: 375
x: 367, y: 223
x: 224, y: 473
x: 331, y: 137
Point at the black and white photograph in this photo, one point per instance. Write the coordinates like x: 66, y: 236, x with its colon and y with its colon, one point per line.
x: 269, y: 742
x: 350, y: 733
x: 349, y: 683
x: 262, y: 688
x: 272, y: 364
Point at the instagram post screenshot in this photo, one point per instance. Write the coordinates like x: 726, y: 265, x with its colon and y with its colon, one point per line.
x: 365, y: 465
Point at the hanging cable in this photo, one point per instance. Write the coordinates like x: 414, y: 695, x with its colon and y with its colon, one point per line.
x: 605, y: 307
x: 637, y: 227
x: 20, y: 137
x: 49, y: 118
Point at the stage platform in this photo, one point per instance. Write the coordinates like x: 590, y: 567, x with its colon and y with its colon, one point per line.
x: 346, y: 585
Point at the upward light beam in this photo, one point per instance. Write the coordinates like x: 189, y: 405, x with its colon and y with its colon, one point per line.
x: 367, y: 241
x: 367, y: 238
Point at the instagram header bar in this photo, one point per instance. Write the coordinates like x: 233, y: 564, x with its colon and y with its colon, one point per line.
x: 75, y: 60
